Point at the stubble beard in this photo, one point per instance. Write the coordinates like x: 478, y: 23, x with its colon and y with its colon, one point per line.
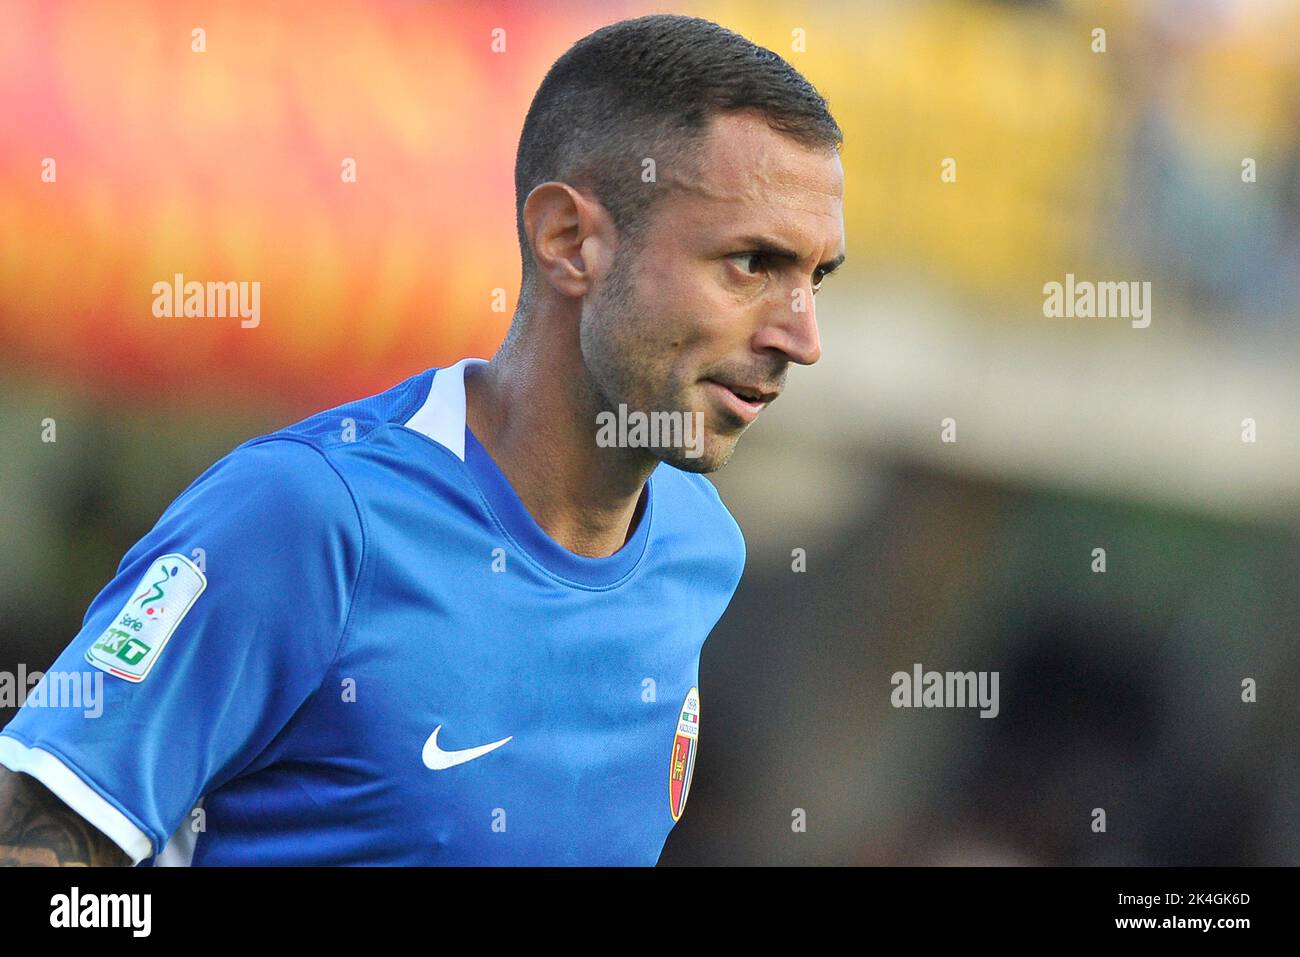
x: 617, y: 371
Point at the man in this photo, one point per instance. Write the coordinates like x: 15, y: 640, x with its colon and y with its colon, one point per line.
x: 460, y: 621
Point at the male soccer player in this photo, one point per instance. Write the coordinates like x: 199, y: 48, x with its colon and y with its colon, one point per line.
x: 456, y: 622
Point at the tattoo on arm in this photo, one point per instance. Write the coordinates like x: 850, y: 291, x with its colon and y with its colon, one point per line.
x: 39, y: 830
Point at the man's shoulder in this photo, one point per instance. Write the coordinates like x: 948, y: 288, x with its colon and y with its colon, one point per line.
x: 698, y: 508
x: 302, y: 465
x: 297, y: 476
x: 277, y: 490
x: 357, y: 420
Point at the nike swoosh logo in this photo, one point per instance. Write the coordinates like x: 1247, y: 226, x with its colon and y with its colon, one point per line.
x: 436, y: 759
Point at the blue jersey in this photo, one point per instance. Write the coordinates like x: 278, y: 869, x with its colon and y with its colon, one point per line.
x: 349, y: 642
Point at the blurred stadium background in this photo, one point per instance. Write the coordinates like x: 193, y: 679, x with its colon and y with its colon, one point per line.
x: 1118, y: 690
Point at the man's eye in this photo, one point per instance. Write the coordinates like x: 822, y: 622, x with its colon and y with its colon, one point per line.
x: 746, y: 258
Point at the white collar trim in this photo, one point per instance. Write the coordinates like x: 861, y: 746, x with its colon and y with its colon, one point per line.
x: 442, y: 416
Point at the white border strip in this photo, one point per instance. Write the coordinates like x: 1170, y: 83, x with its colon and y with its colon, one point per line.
x: 179, y: 851
x: 442, y: 416
x: 77, y: 794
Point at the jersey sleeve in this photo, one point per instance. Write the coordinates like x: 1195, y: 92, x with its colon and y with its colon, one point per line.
x: 218, y: 625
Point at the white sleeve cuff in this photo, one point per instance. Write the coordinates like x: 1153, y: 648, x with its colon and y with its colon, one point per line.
x: 76, y: 794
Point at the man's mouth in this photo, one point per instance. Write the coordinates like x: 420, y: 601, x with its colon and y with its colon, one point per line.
x: 744, y: 400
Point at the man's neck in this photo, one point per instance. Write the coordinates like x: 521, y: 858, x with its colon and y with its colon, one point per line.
x: 540, y: 429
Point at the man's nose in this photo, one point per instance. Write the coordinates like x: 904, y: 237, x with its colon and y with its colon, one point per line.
x: 790, y: 327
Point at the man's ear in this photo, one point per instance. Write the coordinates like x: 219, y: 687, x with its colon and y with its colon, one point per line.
x: 571, y: 236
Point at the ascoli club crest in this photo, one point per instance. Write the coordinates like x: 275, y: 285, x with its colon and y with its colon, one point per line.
x: 685, y: 742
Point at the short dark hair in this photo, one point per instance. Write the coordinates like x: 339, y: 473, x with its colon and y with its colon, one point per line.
x: 645, y: 88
